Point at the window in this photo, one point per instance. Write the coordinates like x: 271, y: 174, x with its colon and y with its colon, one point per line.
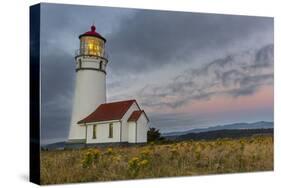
x: 110, y: 130
x: 80, y: 64
x: 94, y: 131
x: 100, y: 65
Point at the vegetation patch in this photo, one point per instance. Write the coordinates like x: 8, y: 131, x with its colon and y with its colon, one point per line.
x: 153, y: 160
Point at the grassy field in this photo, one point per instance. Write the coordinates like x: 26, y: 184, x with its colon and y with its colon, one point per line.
x: 158, y: 160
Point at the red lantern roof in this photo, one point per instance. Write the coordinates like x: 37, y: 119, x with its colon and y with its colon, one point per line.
x: 93, y: 33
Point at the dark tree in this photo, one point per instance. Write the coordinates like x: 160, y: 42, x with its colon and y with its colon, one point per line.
x: 153, y: 134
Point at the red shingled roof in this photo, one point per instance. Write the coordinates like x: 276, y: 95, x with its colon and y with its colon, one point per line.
x: 135, y: 115
x: 109, y: 111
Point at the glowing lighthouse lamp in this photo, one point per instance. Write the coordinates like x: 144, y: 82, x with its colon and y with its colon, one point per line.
x: 90, y: 82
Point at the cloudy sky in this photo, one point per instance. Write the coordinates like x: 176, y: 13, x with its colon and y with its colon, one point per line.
x: 186, y: 70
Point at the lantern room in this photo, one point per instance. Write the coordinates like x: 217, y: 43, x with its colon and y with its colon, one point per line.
x: 92, y: 44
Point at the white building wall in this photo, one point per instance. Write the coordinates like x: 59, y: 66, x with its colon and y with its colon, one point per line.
x: 124, y: 120
x: 90, y: 92
x: 132, y: 132
x: 142, y: 128
x: 102, y: 133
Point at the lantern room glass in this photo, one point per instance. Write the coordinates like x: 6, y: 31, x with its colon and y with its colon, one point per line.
x: 91, y: 46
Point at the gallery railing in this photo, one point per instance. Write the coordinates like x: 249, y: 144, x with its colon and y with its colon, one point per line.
x: 80, y: 52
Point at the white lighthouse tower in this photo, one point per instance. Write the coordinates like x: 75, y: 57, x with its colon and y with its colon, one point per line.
x: 90, y: 84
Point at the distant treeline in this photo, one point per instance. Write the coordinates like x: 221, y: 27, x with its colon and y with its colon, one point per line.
x: 210, y: 135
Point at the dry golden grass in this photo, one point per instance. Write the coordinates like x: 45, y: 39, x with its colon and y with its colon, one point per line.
x: 153, y: 160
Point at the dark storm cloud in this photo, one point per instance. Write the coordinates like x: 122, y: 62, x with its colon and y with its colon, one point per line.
x: 57, y: 85
x: 150, y: 39
x: 58, y: 74
x: 55, y: 125
x: 264, y: 56
x: 235, y: 75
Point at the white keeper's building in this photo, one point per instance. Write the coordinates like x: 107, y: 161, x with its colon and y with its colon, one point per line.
x: 93, y: 120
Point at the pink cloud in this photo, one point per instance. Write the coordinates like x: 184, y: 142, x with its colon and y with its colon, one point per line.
x: 261, y: 99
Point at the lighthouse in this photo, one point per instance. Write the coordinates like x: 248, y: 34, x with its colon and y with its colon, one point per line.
x: 94, y: 120
x: 90, y: 83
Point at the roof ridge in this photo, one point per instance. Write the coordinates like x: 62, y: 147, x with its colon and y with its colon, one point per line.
x: 119, y: 101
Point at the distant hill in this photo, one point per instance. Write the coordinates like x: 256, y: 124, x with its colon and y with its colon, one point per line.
x: 211, y: 135
x: 256, y: 125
